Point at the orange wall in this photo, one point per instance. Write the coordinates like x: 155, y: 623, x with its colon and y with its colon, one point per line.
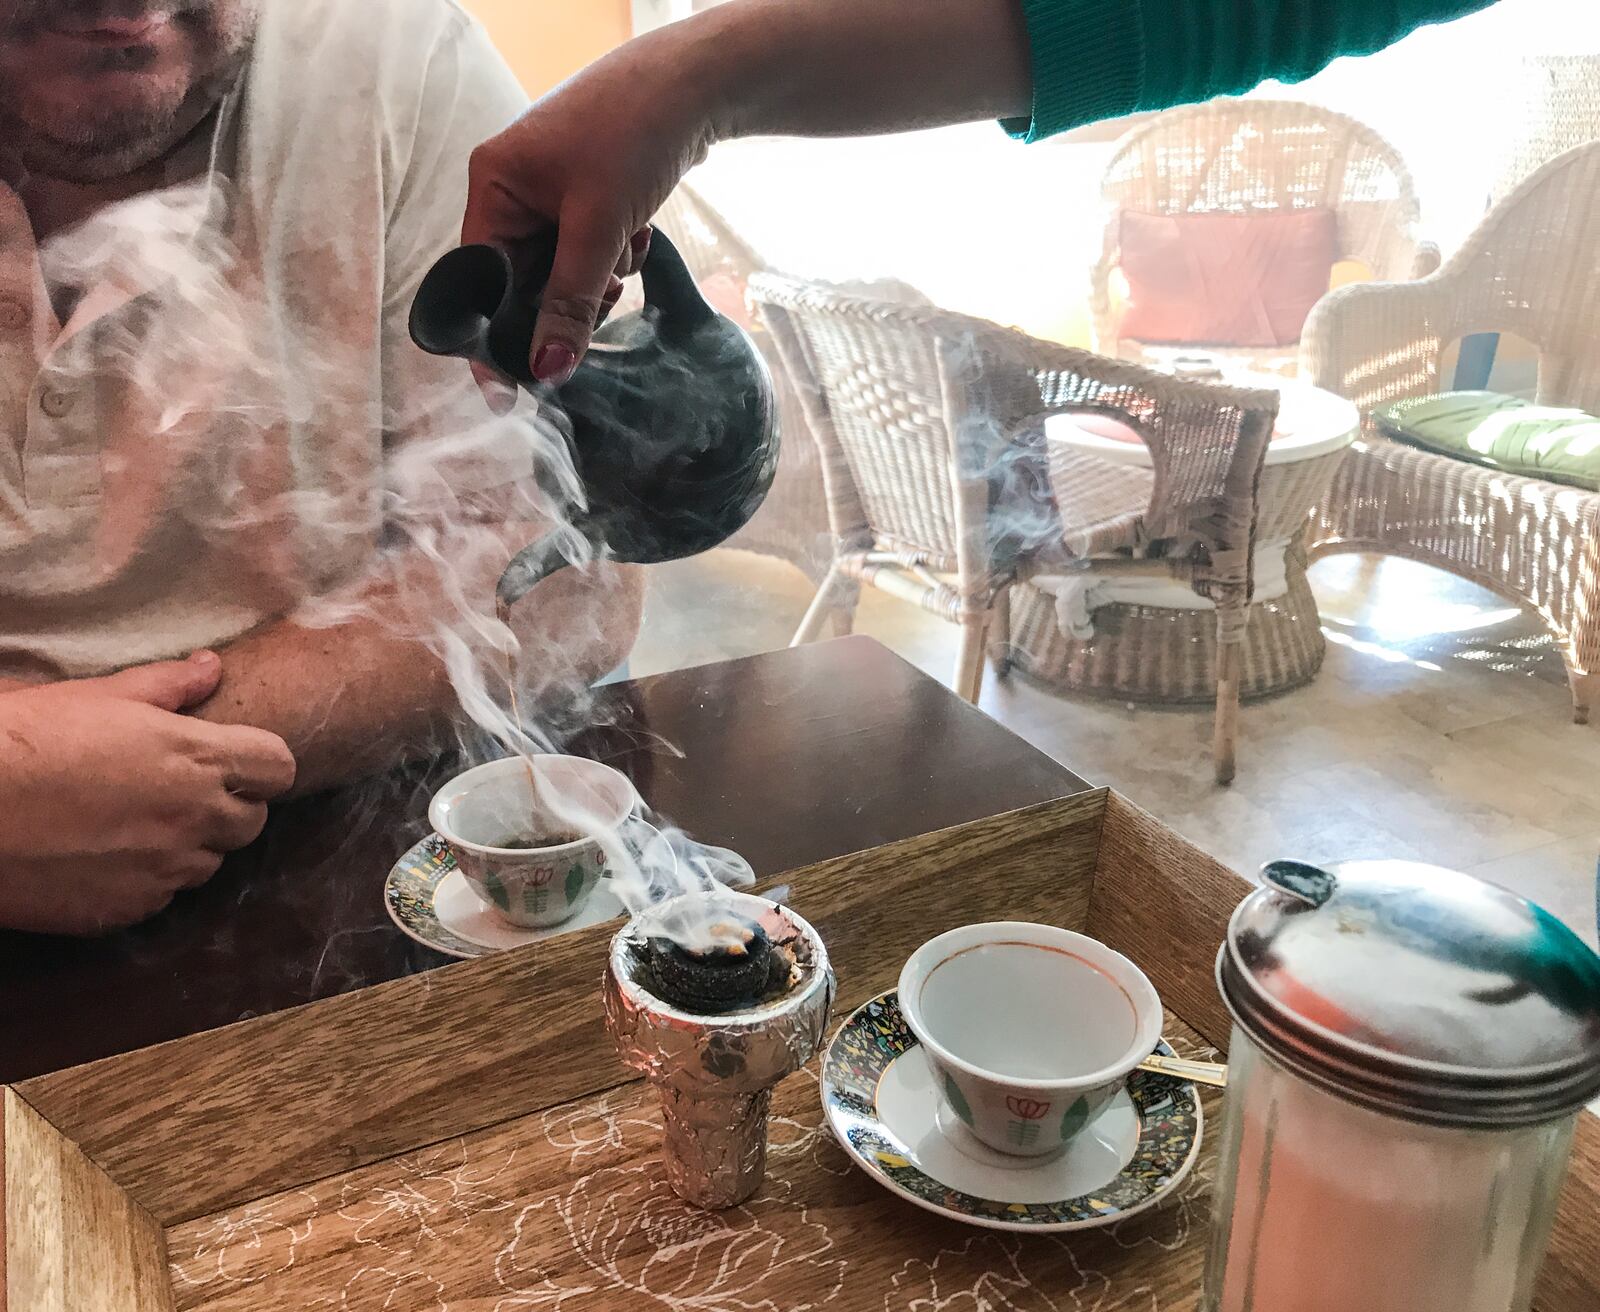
x: 548, y: 40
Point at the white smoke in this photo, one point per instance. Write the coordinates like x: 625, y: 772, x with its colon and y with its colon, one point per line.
x: 414, y: 542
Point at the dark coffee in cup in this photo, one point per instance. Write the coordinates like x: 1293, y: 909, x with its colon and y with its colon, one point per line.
x: 538, y: 842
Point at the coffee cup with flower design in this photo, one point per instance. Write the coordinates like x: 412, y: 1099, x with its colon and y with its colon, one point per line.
x: 526, y: 835
x: 1030, y: 1031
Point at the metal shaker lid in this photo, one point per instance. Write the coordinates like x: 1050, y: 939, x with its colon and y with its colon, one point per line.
x: 1416, y: 991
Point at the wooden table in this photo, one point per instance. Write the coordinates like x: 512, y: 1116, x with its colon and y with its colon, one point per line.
x: 790, y: 758
x: 469, y: 1140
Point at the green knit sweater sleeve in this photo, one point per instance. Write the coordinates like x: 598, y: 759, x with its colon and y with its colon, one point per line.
x: 1095, y: 59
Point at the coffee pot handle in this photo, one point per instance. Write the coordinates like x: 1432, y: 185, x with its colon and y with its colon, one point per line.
x: 669, y: 286
x: 670, y: 289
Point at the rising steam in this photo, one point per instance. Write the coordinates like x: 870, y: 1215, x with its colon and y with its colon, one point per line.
x: 413, y: 536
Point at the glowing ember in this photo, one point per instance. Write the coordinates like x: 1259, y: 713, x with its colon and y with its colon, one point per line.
x: 744, y: 968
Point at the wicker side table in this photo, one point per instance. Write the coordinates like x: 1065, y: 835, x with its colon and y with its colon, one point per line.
x: 1156, y: 643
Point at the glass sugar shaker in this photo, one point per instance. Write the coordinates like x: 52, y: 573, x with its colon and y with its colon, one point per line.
x: 1411, y: 1049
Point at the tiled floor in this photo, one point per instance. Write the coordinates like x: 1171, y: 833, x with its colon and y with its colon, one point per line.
x: 1439, y: 729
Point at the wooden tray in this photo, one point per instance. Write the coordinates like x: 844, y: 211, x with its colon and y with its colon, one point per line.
x: 466, y: 1138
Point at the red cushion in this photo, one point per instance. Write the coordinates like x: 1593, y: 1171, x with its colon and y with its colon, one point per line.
x: 1225, y: 279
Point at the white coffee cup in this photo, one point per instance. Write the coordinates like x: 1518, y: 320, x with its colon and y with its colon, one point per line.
x: 1031, y: 1030
x: 476, y: 812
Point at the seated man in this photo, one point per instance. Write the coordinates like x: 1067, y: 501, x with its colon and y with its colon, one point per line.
x: 214, y: 430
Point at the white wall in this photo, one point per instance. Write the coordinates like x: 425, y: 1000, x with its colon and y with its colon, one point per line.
x: 984, y: 225
x: 545, y: 41
x: 1451, y: 97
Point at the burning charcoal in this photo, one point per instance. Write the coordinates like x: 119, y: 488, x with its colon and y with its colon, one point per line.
x: 736, y: 973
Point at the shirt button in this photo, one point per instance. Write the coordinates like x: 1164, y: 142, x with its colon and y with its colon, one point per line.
x: 13, y: 314
x: 56, y: 404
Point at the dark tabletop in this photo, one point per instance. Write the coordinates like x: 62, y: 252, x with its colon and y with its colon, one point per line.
x: 788, y: 758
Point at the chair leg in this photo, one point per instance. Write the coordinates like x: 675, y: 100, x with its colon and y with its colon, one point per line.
x: 844, y: 609
x: 1225, y: 740
x: 1000, y: 633
x: 969, y: 660
x: 1585, y: 692
x: 822, y: 605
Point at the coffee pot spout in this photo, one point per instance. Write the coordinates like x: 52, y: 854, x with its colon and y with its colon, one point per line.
x: 534, y: 563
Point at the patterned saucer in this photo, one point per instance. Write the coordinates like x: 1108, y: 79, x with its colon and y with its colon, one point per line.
x: 881, y: 1102
x: 431, y: 901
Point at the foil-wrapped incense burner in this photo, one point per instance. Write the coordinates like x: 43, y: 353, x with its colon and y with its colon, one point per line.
x: 714, y: 997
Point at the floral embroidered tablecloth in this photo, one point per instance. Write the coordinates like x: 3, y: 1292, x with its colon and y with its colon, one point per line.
x: 569, y: 1209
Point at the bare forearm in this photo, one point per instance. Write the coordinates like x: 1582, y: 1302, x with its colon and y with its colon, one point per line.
x: 353, y: 700
x: 825, y: 67
x: 349, y: 701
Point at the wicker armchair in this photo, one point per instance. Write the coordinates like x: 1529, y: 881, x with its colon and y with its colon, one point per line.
x: 1533, y: 269
x: 940, y: 484
x: 1255, y: 155
x: 792, y: 523
x: 1555, y: 103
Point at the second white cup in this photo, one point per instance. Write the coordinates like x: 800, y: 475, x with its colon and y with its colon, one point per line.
x: 1031, y: 1030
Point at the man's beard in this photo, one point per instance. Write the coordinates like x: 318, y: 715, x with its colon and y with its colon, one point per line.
x: 88, y: 142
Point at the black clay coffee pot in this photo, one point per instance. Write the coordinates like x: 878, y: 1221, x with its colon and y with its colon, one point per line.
x: 669, y: 418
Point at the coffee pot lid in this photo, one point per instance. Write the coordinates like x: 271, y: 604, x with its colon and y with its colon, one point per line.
x: 1416, y: 990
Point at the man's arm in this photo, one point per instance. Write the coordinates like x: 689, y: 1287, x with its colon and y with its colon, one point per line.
x: 351, y: 700
x: 354, y: 698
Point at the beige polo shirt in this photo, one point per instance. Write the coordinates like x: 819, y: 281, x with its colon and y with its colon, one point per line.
x: 232, y: 418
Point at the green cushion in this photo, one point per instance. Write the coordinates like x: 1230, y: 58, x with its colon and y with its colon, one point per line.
x: 1502, y: 432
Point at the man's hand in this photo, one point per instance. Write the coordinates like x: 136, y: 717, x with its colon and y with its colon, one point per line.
x: 111, y: 801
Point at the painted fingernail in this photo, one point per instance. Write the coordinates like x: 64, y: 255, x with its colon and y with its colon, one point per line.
x: 555, y: 363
